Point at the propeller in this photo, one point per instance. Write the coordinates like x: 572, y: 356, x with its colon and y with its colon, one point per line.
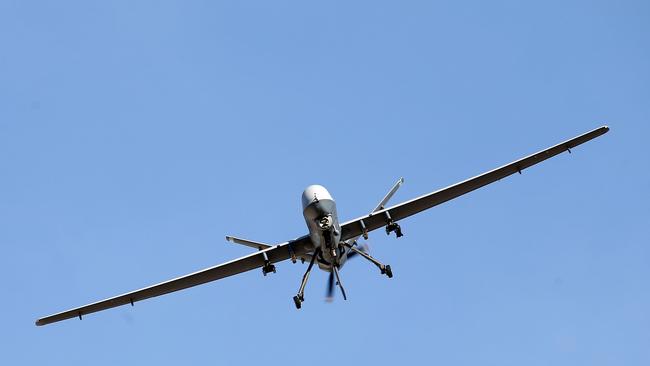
x: 330, y: 288
x: 331, y: 283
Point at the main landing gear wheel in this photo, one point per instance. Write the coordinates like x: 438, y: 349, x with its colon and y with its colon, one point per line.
x: 387, y: 271
x: 296, y: 300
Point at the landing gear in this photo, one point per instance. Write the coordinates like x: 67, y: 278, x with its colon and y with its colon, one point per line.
x: 385, y: 269
x: 335, y: 270
x: 300, y: 297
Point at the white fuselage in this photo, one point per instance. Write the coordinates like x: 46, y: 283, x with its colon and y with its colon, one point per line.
x: 319, y: 210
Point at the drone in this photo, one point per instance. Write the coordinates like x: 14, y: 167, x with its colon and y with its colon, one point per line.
x: 329, y: 243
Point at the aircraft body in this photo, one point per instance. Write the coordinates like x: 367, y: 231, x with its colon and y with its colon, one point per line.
x: 329, y: 243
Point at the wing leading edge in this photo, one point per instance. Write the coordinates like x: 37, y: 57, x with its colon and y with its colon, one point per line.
x: 381, y: 218
x: 274, y: 254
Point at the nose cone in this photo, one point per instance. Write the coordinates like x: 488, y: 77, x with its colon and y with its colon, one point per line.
x: 313, y: 193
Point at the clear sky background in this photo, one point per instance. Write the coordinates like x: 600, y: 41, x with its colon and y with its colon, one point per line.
x: 135, y: 135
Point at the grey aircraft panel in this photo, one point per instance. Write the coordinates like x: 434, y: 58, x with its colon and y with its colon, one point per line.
x: 376, y: 220
x: 275, y: 254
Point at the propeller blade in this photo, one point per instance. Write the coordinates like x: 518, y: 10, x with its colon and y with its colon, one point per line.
x: 330, y: 288
x: 364, y: 247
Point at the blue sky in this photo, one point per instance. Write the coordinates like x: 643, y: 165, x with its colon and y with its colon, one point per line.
x: 135, y: 135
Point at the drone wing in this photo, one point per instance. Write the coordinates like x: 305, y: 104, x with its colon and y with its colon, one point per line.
x: 274, y: 254
x: 383, y: 217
